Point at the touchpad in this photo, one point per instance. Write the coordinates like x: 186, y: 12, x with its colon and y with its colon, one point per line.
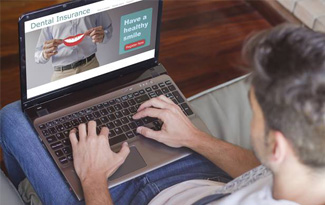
x: 133, y: 162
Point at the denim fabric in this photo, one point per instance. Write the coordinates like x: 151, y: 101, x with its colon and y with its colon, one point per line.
x: 25, y: 156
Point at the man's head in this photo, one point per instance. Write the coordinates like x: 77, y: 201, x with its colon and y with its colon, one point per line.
x: 288, y: 95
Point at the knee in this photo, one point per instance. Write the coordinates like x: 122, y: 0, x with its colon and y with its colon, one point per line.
x: 11, y: 118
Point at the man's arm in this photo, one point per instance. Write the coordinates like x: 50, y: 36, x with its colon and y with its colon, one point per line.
x: 178, y: 131
x: 94, y: 162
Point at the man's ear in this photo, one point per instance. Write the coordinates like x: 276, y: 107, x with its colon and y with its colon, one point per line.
x: 279, y: 149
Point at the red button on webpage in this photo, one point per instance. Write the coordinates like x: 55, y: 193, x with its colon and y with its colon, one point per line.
x: 135, y: 44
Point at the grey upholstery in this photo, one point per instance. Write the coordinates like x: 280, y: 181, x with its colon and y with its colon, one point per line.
x: 8, y: 193
x: 224, y: 109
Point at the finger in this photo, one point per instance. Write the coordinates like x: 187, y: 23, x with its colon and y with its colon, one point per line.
x: 150, y: 112
x: 104, y: 131
x: 73, y: 138
x: 149, y: 133
x: 82, y: 132
x: 87, y: 33
x: 50, y: 50
x: 125, y: 150
x: 92, y: 128
x: 166, y: 99
x: 97, y: 36
x: 154, y: 102
x: 57, y: 41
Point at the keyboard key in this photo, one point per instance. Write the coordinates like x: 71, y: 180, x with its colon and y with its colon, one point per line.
x: 148, y: 89
x: 155, y: 87
x: 66, y: 142
x: 125, y: 128
x: 45, y: 133
x: 112, y: 133
x: 125, y: 104
x: 130, y: 95
x: 106, y: 104
x: 135, y: 94
x: 52, y: 130
x: 118, y: 114
x: 165, y: 90
x: 132, y: 102
x: 118, y: 107
x: 49, y: 124
x: 152, y: 94
x: 70, y: 157
x: 63, y: 160
x: 112, y: 102
x: 159, y: 92
x: 75, y: 122
x: 124, y: 120
x: 132, y: 125
x: 168, y: 82
x: 110, y: 109
x: 178, y: 97
x: 161, y: 85
x: 171, y: 88
x: 117, y: 139
x: 141, y: 92
x: 117, y: 123
x: 175, y: 101
x: 67, y: 125
x: 100, y: 106
x: 66, y: 133
x: 56, y: 145
x: 130, y: 134
x: 94, y: 108
x: 111, y: 117
x: 133, y: 109
x: 139, y: 122
x: 82, y: 120
x: 124, y: 98
x: 66, y: 150
x: 147, y: 120
x: 118, y: 130
x: 125, y: 112
x: 42, y: 127
x: 58, y: 153
x: 142, y: 98
x: 60, y: 136
x: 104, y: 119
x: 89, y: 117
x: 51, y: 139
x: 88, y: 110
x: 110, y: 125
x: 187, y: 109
x: 104, y: 112
x: 97, y: 114
x: 118, y: 100
x: 98, y: 122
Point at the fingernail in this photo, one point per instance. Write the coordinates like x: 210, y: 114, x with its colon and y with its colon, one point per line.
x: 139, y: 129
x: 126, y: 144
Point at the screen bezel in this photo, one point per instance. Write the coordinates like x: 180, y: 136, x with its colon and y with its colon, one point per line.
x: 26, y: 103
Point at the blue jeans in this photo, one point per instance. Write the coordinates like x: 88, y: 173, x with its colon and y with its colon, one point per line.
x: 25, y: 156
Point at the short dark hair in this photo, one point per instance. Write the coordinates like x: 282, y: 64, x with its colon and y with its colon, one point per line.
x: 288, y: 76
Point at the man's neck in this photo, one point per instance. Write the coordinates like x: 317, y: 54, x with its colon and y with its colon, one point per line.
x: 302, y: 186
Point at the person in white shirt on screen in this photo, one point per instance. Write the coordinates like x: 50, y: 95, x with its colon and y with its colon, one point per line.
x: 68, y: 60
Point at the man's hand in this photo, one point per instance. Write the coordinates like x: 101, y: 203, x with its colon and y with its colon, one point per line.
x: 96, y: 34
x: 93, y: 157
x: 50, y: 47
x: 177, y: 130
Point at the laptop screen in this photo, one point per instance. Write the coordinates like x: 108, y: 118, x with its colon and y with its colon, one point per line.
x: 78, y: 44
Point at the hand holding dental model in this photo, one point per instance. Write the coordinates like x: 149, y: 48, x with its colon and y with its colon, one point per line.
x: 50, y: 46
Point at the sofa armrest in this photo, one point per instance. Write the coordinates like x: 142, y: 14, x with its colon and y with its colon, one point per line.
x: 226, y: 111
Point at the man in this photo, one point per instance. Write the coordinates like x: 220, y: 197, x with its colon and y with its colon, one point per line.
x: 287, y: 97
x: 72, y: 45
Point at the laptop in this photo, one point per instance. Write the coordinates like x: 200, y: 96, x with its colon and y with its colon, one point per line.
x: 97, y: 60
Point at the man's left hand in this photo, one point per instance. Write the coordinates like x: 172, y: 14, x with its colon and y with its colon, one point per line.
x: 93, y: 157
x: 97, y: 34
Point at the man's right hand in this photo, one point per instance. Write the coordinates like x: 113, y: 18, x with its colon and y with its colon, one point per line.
x: 50, y: 47
x: 177, y: 130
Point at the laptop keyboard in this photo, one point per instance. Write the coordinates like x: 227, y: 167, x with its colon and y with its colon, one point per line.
x: 115, y: 114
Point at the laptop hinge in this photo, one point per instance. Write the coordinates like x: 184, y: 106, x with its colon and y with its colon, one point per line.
x: 42, y: 111
x: 154, y: 73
